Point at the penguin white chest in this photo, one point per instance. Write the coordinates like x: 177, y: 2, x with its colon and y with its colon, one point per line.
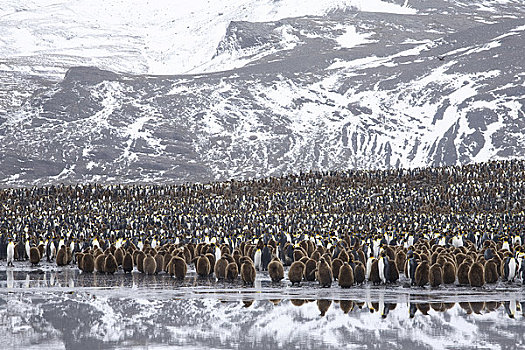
x: 381, y: 266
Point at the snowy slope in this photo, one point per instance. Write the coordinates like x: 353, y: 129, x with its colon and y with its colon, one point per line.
x: 276, y: 87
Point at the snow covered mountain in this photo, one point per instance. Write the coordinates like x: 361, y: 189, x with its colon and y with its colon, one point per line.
x: 163, y: 91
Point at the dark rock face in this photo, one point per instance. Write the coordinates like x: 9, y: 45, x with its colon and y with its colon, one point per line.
x: 348, y: 90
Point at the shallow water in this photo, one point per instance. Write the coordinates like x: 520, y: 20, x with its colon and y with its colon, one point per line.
x: 50, y: 308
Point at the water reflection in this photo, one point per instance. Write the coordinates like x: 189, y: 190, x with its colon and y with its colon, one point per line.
x: 65, y: 309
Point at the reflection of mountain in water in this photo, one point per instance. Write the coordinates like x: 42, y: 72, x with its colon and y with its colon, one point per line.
x: 89, y: 320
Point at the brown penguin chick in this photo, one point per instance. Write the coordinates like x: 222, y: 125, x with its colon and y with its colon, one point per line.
x: 295, y: 273
x: 298, y: 254
x: 462, y: 271
x: 34, y: 255
x: 135, y: 255
x: 127, y: 263
x: 309, y: 270
x: 88, y: 263
x: 80, y: 257
x: 359, y: 273
x: 167, y: 259
x: 336, y: 265
x: 343, y: 256
x: 232, y: 271
x: 211, y: 259
x: 346, y: 276
x: 150, y: 265
x: 324, y: 274
x: 374, y: 273
x: 61, y: 258
x: 323, y: 305
x: 119, y: 256
x: 187, y: 254
x: 400, y: 259
x: 346, y: 305
x: 435, y: 275
x: 100, y: 262
x: 178, y: 267
x: 140, y: 261
x: 202, y: 266
x: 69, y: 256
x: 159, y: 260
x: 476, y: 275
x: 276, y: 270
x: 110, y: 264
x: 247, y: 271
x: 460, y: 257
x: 394, y: 272
x: 41, y: 250
x: 449, y: 273
x: 220, y: 268
x: 491, y: 272
x: 237, y: 257
x: 422, y: 274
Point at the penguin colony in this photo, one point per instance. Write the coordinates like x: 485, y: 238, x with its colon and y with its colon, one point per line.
x: 436, y: 226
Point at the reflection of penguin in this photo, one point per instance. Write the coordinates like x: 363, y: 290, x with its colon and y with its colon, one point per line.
x: 510, y: 308
x: 412, y: 310
x: 297, y: 302
x: 346, y: 305
x: 476, y: 275
x: 424, y: 308
x: 127, y: 263
x: 346, y: 276
x: 435, y: 276
x: 323, y: 305
x: 476, y: 307
x: 295, y: 273
x: 276, y: 270
x: 422, y: 272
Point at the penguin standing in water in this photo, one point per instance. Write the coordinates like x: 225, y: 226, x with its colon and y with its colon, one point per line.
x: 10, y: 252
x: 276, y: 270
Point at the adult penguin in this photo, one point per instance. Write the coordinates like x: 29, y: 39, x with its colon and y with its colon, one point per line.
x: 10, y: 252
x: 383, y: 267
x: 266, y: 257
x: 346, y: 276
x: 276, y: 270
x: 510, y: 266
